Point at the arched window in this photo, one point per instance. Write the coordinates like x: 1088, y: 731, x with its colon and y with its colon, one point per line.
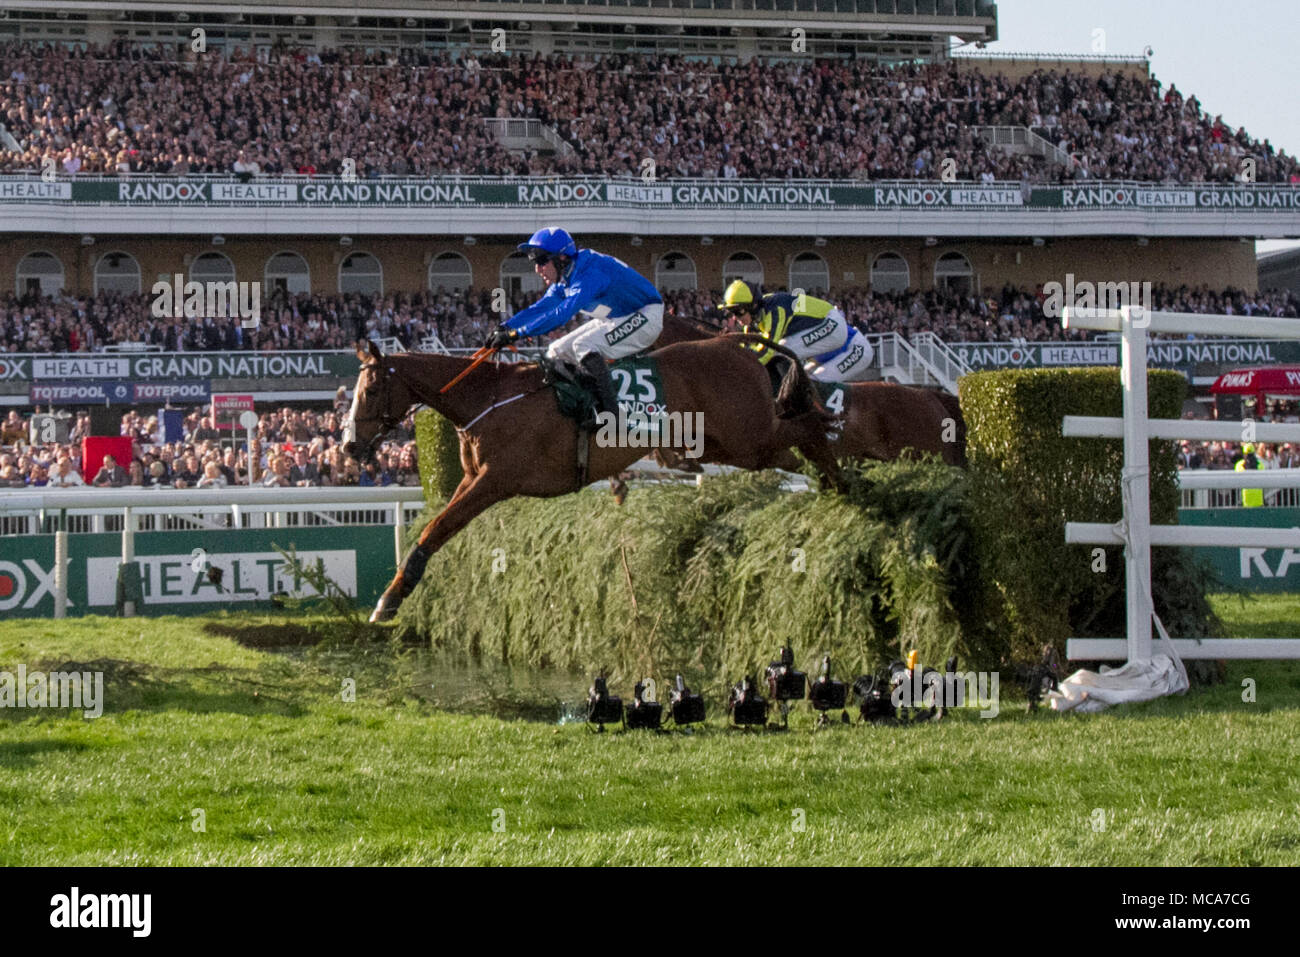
x: 212, y: 267
x: 288, y: 272
x: 742, y: 266
x: 40, y: 273
x: 890, y: 273
x: 953, y: 274
x: 809, y: 272
x: 518, y: 275
x: 361, y: 272
x: 450, y: 271
x: 117, y: 272
x: 675, y: 272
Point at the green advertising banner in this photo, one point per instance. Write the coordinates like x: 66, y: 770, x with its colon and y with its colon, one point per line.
x: 181, y: 365
x: 358, y: 558
x: 455, y: 192
x: 1161, y: 353
x: 1250, y: 569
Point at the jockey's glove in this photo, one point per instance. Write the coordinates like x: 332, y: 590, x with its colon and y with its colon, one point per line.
x: 502, y: 338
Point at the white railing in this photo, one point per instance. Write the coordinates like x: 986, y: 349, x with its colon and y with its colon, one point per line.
x: 1134, y: 530
x: 48, y: 511
x: 904, y: 362
x: 525, y: 134
x: 947, y: 365
x: 1025, y: 139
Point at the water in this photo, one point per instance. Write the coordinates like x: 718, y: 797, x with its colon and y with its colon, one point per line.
x: 547, y: 696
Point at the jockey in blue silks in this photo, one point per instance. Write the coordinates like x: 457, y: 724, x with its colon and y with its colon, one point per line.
x: 627, y: 312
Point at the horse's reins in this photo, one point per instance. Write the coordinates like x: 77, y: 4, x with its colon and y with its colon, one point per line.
x: 479, y: 358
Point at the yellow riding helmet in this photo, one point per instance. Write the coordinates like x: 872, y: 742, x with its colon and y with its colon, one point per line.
x: 1247, y: 449
x: 739, y: 293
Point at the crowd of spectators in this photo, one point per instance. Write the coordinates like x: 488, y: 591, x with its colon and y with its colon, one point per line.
x: 126, y: 108
x: 464, y: 319
x: 291, y: 448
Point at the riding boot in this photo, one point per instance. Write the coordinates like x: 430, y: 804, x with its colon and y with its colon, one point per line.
x: 596, y: 370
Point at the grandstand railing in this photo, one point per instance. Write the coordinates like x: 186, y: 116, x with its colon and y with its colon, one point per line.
x: 1221, y: 488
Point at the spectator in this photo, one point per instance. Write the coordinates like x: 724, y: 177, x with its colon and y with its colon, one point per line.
x: 212, y: 477
x: 111, y: 474
x: 65, y: 475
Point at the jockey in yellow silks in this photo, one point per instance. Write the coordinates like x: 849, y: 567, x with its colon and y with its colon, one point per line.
x: 813, y: 329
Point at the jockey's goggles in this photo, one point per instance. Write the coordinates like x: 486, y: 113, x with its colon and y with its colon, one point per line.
x: 540, y: 257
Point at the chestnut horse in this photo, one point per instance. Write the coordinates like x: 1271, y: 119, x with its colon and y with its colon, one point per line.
x: 882, y: 420
x: 514, y: 440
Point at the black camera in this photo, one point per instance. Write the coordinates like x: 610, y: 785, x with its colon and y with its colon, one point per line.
x: 686, y: 706
x: 874, y: 704
x: 783, y: 682
x: 642, y: 713
x: 602, y: 707
x: 826, y: 692
x: 746, y: 706
x: 1043, y: 677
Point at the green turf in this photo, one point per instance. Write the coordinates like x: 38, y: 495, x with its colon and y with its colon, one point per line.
x: 288, y: 773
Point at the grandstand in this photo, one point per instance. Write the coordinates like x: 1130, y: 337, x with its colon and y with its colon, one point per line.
x: 374, y: 172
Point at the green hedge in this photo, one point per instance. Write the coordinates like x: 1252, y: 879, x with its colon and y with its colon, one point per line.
x: 1027, y: 481
x: 913, y: 555
x: 707, y: 580
x: 438, y: 454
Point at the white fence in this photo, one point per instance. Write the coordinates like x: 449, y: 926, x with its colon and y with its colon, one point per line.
x: 55, y: 511
x: 1135, y: 531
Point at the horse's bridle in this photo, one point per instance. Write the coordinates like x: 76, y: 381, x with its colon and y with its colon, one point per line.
x: 387, y: 420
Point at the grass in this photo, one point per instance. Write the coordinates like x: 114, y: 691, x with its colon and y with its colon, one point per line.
x: 200, y: 713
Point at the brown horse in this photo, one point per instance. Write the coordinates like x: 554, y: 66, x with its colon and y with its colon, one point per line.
x: 514, y: 440
x: 882, y: 420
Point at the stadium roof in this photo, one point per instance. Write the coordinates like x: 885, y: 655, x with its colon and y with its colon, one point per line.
x: 970, y: 20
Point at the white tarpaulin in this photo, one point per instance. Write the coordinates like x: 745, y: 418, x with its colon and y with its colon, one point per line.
x: 1135, y: 681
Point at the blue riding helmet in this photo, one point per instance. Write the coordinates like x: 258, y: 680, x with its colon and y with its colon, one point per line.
x: 551, y: 239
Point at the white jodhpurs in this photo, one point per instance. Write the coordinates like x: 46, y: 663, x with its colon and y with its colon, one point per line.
x: 612, y: 337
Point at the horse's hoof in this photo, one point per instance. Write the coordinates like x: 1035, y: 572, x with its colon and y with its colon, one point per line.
x: 619, y: 488
x: 384, y: 611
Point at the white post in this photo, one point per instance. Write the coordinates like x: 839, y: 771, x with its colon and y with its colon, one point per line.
x: 61, y: 567
x: 397, y: 532
x: 128, y: 552
x: 1137, y: 555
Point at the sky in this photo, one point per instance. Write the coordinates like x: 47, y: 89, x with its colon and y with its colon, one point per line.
x: 1239, y: 57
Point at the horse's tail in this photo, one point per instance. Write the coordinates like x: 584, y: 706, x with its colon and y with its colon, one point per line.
x: 797, y: 394
x: 952, y: 405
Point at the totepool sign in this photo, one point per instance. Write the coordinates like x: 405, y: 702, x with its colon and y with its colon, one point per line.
x: 357, y: 559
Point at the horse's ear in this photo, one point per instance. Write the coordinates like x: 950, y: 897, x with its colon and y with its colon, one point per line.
x: 374, y: 351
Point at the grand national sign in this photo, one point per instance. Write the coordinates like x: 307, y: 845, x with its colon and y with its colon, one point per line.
x: 173, y: 366
x: 457, y: 192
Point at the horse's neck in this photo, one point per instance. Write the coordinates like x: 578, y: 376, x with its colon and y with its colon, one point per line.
x: 427, y: 375
x: 678, y: 329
